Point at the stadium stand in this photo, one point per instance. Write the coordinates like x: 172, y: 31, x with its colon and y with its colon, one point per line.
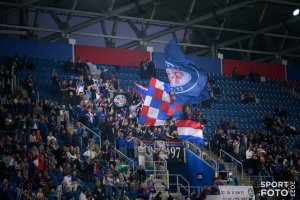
x: 67, y: 163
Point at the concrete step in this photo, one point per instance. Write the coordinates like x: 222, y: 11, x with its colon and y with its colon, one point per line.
x: 228, y: 167
x: 176, y: 196
x: 165, y: 194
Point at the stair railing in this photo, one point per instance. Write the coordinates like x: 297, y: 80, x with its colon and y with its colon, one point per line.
x: 207, y: 159
x: 238, y: 163
x: 177, y: 181
x: 126, y: 159
x: 159, y: 166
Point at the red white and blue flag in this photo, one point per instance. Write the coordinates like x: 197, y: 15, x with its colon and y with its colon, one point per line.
x: 140, y: 89
x: 156, y: 104
x: 190, y: 130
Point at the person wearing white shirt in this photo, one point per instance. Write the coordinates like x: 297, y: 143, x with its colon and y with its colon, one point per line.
x: 249, y: 153
x: 68, y: 180
x: 36, y: 161
x: 249, y: 159
x: 142, y: 151
x: 50, y: 136
x: 63, y: 115
x: 236, y: 146
x: 90, y: 153
x: 80, y: 85
x: 70, y: 153
x: 82, y: 195
x: 32, y: 138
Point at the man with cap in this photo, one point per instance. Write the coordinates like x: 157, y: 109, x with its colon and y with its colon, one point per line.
x: 232, y: 180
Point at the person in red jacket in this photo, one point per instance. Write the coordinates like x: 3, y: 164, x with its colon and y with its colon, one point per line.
x: 41, y: 165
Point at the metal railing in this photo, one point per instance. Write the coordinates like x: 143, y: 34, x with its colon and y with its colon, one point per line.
x: 223, y: 154
x: 252, y: 178
x: 149, y: 153
x: 157, y: 164
x: 207, y: 159
x: 97, y: 137
x: 180, y: 183
x: 157, y: 168
x: 224, y: 176
x: 90, y: 134
x: 125, y: 158
x: 197, y: 189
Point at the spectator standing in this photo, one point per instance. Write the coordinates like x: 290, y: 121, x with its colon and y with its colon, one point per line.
x: 80, y: 85
x: 151, y: 68
x: 120, y: 187
x: 130, y: 145
x: 108, y: 183
x: 142, y: 173
x: 55, y: 84
x: 141, y: 152
x: 236, y: 146
x: 69, y: 66
x: 249, y: 159
x: 98, y: 191
x: 143, y: 68
x: 121, y: 143
x: 64, y: 92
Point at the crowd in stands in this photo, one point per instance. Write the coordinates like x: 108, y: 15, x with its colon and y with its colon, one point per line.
x: 278, y: 125
x: 263, y: 152
x: 44, y: 156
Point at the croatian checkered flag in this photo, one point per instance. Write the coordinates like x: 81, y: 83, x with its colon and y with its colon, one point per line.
x: 156, y: 105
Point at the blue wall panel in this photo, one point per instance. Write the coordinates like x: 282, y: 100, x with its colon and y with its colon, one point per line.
x: 293, y: 72
x: 211, y: 65
x: 196, y: 166
x: 191, y: 169
x: 35, y: 49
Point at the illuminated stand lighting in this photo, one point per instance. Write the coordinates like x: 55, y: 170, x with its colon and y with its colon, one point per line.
x: 296, y: 12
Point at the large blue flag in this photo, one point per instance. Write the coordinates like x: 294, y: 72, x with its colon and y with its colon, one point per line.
x: 173, y: 53
x: 187, y: 80
x: 183, y: 99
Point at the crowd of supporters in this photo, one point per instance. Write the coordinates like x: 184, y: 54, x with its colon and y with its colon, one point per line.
x: 263, y: 152
x: 44, y: 156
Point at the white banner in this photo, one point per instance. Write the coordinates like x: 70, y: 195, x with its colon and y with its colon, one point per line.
x: 236, y: 192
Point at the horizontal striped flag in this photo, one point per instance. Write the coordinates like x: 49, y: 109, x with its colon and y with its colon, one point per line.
x: 190, y: 131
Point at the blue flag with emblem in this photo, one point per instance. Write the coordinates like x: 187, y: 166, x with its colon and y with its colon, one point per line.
x: 187, y: 80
